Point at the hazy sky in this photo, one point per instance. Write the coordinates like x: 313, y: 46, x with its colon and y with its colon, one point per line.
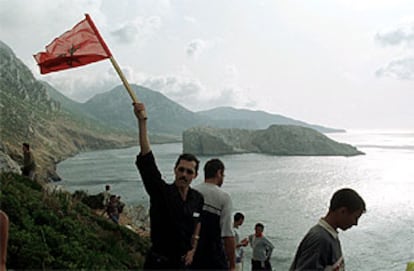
x: 339, y: 63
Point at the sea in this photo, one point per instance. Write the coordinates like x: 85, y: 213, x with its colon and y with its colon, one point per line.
x: 288, y: 194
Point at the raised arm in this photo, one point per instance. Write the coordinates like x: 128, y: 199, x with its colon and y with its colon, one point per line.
x: 140, y: 114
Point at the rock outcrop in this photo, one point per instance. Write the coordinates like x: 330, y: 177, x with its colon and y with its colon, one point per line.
x: 275, y: 140
x: 7, y: 164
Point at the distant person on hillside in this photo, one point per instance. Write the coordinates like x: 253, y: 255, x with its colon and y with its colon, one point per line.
x: 4, y: 237
x: 174, y: 208
x: 29, y: 165
x: 262, y: 249
x: 320, y: 249
x: 106, y: 195
x: 238, y: 220
x: 216, y: 247
x: 121, y: 205
x: 112, y: 209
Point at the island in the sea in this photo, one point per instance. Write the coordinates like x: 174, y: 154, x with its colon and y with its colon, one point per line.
x: 275, y: 140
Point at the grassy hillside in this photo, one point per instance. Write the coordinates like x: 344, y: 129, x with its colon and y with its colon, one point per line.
x: 55, y: 230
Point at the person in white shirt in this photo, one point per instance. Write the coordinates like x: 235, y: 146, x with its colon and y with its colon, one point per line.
x: 238, y: 220
x: 216, y: 246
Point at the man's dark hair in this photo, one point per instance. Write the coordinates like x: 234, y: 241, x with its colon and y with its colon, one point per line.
x: 260, y: 225
x: 26, y: 145
x: 347, y: 198
x: 237, y: 216
x: 211, y: 168
x: 188, y: 157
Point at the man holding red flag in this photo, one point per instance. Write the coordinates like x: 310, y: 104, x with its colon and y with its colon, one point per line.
x: 175, y: 208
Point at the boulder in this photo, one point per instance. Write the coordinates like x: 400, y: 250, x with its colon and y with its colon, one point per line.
x: 7, y: 164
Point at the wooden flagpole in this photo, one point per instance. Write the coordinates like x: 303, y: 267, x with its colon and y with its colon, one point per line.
x: 126, y: 84
x: 113, y: 61
x: 124, y: 80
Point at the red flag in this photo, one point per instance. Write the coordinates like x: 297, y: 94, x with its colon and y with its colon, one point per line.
x: 77, y: 47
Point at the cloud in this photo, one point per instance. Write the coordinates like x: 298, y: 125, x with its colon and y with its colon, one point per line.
x: 139, y: 29
x: 400, y: 69
x: 181, y: 89
x: 20, y: 13
x: 402, y: 34
x: 231, y: 74
x: 83, y: 83
x: 234, y: 96
x: 195, y: 47
x: 194, y: 95
x: 190, y: 19
x: 403, y: 67
x: 231, y: 92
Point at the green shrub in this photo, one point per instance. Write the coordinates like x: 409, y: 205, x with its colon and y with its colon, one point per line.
x: 54, y: 230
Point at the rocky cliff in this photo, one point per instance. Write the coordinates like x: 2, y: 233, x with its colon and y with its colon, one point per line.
x: 29, y: 114
x: 275, y: 140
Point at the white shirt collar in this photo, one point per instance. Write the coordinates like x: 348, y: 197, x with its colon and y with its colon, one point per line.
x: 328, y: 227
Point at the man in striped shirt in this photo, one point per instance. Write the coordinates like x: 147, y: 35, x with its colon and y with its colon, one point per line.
x: 320, y: 249
x: 215, y: 250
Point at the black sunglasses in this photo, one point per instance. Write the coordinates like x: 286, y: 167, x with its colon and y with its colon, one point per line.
x: 187, y: 170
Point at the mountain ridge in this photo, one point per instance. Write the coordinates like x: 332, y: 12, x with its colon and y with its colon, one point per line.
x: 58, y: 127
x: 260, y: 119
x: 170, y: 118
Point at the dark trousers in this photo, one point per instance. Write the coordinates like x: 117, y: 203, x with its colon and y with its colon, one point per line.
x: 257, y: 265
x: 155, y: 261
